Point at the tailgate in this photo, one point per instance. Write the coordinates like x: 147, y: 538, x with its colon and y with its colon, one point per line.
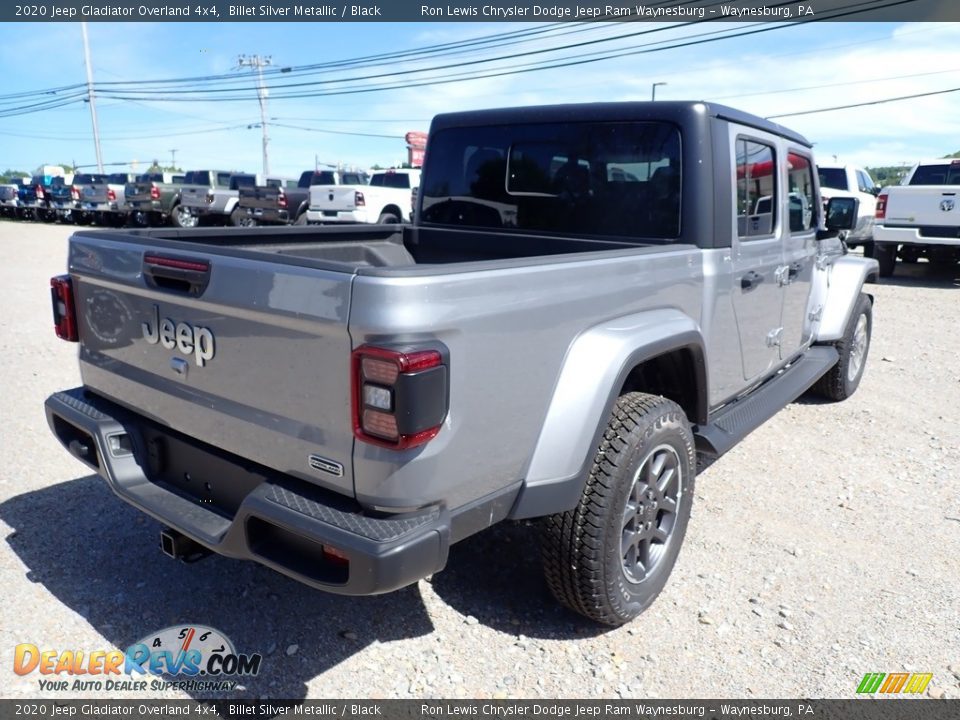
x: 139, y: 192
x: 259, y: 197
x: 333, y: 198
x: 194, y: 195
x: 252, y: 356
x: 94, y: 193
x: 923, y: 205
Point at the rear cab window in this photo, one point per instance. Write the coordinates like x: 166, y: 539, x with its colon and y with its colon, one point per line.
x: 939, y: 174
x: 599, y: 179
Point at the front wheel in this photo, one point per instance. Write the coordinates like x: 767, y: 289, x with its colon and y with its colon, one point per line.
x: 610, y: 557
x: 843, y: 379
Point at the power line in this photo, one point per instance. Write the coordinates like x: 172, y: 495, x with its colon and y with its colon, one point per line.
x: 849, y: 10
x: 864, y: 104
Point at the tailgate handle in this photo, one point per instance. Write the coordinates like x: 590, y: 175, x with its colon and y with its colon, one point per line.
x: 179, y: 275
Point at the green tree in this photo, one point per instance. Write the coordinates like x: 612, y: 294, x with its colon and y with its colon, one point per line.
x: 8, y: 175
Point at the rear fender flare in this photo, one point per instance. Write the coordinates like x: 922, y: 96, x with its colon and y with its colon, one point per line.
x: 595, y: 369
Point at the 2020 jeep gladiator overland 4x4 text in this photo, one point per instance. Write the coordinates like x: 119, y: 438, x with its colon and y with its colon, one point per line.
x: 589, y: 298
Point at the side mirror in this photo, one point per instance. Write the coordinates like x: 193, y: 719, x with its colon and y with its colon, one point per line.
x: 841, y: 214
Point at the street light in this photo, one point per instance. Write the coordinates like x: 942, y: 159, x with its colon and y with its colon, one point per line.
x: 653, y: 90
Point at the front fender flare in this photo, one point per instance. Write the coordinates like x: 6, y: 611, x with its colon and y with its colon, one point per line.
x: 594, y: 370
x: 845, y: 282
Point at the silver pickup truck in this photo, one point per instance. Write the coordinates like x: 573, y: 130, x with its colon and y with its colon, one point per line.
x: 591, y: 296
x: 211, y: 194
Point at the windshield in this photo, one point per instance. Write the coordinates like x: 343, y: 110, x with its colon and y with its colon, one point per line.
x: 619, y: 179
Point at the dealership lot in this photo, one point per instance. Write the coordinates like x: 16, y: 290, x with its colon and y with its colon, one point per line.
x: 825, y: 546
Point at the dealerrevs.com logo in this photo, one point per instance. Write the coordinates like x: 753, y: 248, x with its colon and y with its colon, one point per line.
x: 198, y: 657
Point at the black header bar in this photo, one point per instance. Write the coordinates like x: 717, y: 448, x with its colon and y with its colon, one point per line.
x: 669, y: 11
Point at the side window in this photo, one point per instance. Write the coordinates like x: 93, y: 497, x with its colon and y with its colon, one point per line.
x: 864, y: 181
x: 756, y: 189
x: 800, y: 196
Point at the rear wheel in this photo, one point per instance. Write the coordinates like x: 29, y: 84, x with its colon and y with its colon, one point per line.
x: 240, y: 218
x: 886, y: 256
x: 388, y: 218
x: 843, y: 379
x: 301, y: 219
x: 610, y: 557
x: 181, y: 217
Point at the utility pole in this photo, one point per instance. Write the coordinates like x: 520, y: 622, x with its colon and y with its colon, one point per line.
x: 258, y: 62
x: 173, y: 158
x: 93, y: 107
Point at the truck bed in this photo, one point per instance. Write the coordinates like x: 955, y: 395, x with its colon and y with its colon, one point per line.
x: 367, y: 249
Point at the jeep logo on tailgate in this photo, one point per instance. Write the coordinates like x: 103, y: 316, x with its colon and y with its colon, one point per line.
x: 190, y: 340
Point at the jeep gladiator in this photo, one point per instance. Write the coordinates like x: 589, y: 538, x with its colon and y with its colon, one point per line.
x: 343, y: 404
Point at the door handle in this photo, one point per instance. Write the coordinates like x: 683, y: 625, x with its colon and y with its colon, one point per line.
x: 750, y: 280
x: 794, y: 270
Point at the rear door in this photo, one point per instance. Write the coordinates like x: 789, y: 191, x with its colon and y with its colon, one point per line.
x: 799, y: 248
x: 249, y: 355
x: 757, y: 249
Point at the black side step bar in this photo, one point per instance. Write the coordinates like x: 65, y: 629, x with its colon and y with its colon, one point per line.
x: 741, y: 417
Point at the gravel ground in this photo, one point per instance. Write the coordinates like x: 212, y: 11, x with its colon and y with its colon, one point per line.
x: 825, y: 546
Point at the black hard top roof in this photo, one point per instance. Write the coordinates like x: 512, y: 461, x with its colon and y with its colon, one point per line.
x: 677, y: 111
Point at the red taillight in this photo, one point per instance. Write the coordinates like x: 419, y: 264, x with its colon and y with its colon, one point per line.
x: 358, y: 199
x: 75, y: 193
x: 881, y: 212
x: 399, y: 398
x: 40, y: 192
x: 64, y: 312
x: 281, y: 199
x: 154, y: 193
x: 111, y: 194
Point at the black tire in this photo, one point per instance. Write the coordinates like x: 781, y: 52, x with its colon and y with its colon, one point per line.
x: 181, y: 217
x: 843, y: 379
x: 301, y: 220
x: 886, y: 255
x: 388, y: 218
x: 592, y: 555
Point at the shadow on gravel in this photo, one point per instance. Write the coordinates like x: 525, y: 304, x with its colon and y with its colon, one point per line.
x: 101, y: 559
x: 496, y: 577
x: 924, y: 274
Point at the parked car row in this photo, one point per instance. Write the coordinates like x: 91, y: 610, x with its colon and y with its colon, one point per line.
x: 217, y: 197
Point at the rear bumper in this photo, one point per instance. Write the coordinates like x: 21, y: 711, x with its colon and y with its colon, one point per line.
x: 282, y: 523
x: 268, y: 215
x: 104, y: 207
x: 884, y: 234
x: 338, y: 216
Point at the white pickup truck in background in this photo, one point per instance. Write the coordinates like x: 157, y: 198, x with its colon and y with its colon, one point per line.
x: 385, y: 200
x: 920, y: 217
x: 857, y: 181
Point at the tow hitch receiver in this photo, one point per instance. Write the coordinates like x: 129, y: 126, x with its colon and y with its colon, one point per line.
x: 178, y: 546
